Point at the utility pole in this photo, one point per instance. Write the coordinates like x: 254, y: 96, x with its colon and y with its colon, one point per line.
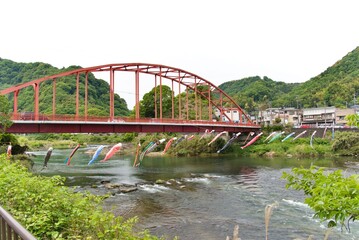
x: 355, y: 103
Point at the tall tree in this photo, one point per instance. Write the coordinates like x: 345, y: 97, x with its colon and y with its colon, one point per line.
x: 353, y: 120
x: 148, y: 103
x: 5, y: 116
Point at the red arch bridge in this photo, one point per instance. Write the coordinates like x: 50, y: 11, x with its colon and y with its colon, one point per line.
x: 191, y: 110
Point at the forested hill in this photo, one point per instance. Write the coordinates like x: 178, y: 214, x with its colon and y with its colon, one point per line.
x: 255, y: 92
x: 13, y: 73
x: 336, y: 86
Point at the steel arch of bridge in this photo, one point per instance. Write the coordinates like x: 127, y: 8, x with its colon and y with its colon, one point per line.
x: 215, y: 96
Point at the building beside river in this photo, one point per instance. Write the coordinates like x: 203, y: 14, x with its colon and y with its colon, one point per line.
x: 306, y: 117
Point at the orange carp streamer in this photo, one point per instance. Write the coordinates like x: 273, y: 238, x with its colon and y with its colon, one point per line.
x: 8, y: 152
x: 112, y: 151
x: 68, y: 160
x: 168, y: 145
x: 216, y: 137
x: 137, y: 152
x: 252, y: 141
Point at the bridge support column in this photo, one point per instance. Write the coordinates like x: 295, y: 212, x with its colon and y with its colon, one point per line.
x: 86, y: 94
x: 209, y: 104
x: 161, y: 93
x: 155, y: 103
x: 77, y: 95
x: 112, y: 95
x: 195, y: 98
x: 187, y: 111
x: 36, y: 98
x: 16, y: 94
x: 137, y: 87
x: 173, y: 102
x: 53, y: 98
x: 179, y: 96
x: 221, y: 110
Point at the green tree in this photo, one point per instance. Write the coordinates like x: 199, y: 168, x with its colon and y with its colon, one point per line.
x: 5, y: 115
x: 346, y: 143
x: 353, y: 120
x: 332, y: 196
x: 147, y: 104
x: 277, y: 120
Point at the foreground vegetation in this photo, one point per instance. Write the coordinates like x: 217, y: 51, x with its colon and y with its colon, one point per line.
x: 50, y: 210
x: 333, y: 197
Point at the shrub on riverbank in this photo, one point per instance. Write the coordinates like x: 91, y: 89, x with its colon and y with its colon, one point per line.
x: 67, y: 140
x: 346, y: 143
x: 196, y: 147
x: 300, y: 148
x: 333, y: 197
x: 50, y: 210
x: 189, y: 146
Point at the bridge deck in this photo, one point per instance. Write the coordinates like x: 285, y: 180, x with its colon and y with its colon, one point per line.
x: 125, y: 127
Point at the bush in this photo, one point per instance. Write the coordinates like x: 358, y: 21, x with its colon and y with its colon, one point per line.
x: 128, y: 137
x: 196, y: 147
x: 346, y: 142
x: 7, y: 138
x: 46, y: 136
x: 50, y: 210
x: 332, y: 196
x: 299, y: 147
x: 271, y: 128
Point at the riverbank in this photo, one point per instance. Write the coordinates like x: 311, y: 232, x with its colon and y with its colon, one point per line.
x: 344, y: 144
x: 300, y: 148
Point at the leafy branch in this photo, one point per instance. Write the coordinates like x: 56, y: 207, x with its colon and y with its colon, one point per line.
x: 332, y: 196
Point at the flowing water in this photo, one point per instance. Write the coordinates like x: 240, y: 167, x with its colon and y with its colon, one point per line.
x: 203, y: 198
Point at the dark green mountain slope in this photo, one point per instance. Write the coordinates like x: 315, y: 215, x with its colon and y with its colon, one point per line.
x: 254, y: 92
x: 336, y: 86
x: 12, y: 73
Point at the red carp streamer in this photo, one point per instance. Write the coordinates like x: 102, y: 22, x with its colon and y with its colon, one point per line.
x: 168, y: 145
x: 215, y: 138
x: 68, y: 160
x: 8, y: 152
x: 250, y: 134
x: 112, y: 151
x: 252, y: 141
x: 190, y: 137
x: 206, y: 132
x: 137, y: 152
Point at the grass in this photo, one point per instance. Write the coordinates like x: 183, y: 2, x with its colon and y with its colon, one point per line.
x: 298, y: 148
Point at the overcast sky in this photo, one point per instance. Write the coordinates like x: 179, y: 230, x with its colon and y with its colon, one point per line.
x: 285, y: 40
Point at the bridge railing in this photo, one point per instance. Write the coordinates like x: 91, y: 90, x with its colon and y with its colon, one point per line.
x: 29, y: 116
x: 10, y: 229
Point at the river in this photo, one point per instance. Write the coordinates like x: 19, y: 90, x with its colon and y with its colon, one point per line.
x: 203, y: 198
